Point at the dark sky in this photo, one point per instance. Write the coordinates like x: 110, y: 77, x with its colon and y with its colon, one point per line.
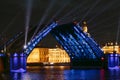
x: 102, y: 16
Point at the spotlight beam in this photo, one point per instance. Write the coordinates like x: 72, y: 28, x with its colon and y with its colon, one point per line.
x: 63, y: 5
x: 102, y: 21
x: 103, y: 28
x: 27, y: 17
x: 100, y: 30
x: 69, y: 14
x: 102, y: 10
x: 11, y: 22
x: 44, y: 16
x: 93, y: 6
x: 118, y: 31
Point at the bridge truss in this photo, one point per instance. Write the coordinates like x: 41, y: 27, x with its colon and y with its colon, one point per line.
x: 78, y: 44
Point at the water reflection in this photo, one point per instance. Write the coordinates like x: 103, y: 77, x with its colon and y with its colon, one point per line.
x: 82, y: 75
x: 63, y: 73
x: 114, y: 74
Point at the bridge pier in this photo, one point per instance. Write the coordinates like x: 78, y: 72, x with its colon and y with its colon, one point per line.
x: 113, y: 60
x: 18, y: 62
x: 2, y: 65
x: 4, y: 62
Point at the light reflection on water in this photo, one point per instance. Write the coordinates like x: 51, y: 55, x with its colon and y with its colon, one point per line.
x: 63, y: 73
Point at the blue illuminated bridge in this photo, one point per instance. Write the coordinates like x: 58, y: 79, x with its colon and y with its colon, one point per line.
x: 78, y: 44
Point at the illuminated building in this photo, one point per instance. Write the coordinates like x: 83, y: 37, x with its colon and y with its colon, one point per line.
x: 34, y: 56
x: 48, y: 55
x: 85, y: 29
x: 58, y: 55
x: 110, y: 48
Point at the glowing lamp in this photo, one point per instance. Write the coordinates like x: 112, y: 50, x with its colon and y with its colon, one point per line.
x: 102, y: 58
x: 25, y: 46
x: 28, y: 43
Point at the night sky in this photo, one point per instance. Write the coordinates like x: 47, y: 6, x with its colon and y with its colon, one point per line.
x: 102, y: 16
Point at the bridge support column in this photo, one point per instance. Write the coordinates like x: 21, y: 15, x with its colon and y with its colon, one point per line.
x: 113, y: 60
x: 4, y: 62
x: 18, y: 62
x: 2, y: 66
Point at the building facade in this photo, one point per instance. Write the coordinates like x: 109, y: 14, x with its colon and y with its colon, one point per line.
x: 110, y: 48
x: 48, y: 55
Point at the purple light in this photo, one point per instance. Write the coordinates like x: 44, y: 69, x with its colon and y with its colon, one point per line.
x: 116, y: 67
x: 15, y: 54
x: 113, y: 61
x: 111, y: 54
x: 116, y: 54
x: 19, y: 70
x: 18, y: 62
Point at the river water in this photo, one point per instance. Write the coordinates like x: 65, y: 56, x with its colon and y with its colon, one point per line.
x: 62, y: 73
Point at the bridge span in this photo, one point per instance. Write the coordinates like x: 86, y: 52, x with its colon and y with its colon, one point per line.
x: 79, y: 45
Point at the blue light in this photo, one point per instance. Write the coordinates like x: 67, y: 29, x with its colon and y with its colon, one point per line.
x: 18, y: 62
x: 82, y: 35
x: 33, y: 44
x: 29, y: 43
x: 76, y: 29
x: 25, y: 46
x: 15, y: 54
x: 116, y: 54
x: 113, y: 60
x: 1, y: 54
